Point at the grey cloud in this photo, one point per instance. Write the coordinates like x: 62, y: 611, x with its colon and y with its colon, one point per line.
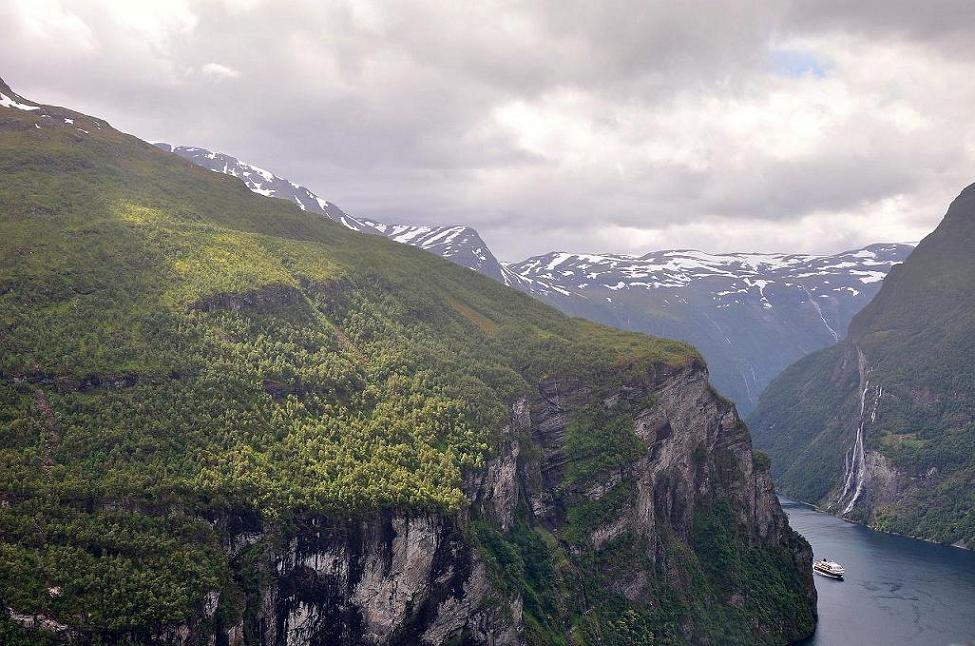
x: 391, y: 111
x: 946, y: 22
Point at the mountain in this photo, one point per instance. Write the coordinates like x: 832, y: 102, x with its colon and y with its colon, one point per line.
x: 458, y: 244
x: 266, y: 183
x: 463, y: 246
x: 224, y: 419
x: 750, y: 315
x: 880, y: 428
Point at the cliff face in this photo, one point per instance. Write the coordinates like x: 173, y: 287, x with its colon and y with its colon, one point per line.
x: 398, y: 578
x: 226, y: 420
x: 881, y: 428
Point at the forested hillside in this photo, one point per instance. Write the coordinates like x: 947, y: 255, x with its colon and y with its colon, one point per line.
x: 216, y: 410
x: 749, y: 314
x: 881, y: 428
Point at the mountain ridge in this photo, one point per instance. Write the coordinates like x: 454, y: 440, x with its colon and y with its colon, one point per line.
x: 880, y: 428
x: 266, y: 183
x: 230, y: 420
x: 716, y: 302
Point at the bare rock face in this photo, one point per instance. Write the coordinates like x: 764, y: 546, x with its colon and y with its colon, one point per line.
x: 697, y: 448
x: 697, y: 452
x: 495, y: 491
x: 420, y: 578
x: 394, y: 578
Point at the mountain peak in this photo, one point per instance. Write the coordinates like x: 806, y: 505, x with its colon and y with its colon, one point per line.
x: 266, y: 183
x: 32, y: 114
x: 10, y: 99
x: 968, y: 191
x: 460, y: 244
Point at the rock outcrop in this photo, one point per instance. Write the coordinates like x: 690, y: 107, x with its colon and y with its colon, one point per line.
x: 404, y: 578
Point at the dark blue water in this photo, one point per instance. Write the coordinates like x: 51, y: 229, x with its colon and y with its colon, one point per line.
x: 897, y: 591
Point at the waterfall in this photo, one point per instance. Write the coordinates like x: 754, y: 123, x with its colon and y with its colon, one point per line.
x: 855, y: 462
x: 819, y: 310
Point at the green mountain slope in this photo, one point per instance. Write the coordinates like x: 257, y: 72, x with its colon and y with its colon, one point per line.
x: 905, y: 380
x: 197, y: 385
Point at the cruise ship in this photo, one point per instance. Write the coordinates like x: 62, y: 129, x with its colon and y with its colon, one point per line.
x: 830, y: 569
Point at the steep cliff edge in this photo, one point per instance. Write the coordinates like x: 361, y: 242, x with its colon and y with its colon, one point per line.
x: 224, y: 420
x: 881, y: 427
x: 562, y: 543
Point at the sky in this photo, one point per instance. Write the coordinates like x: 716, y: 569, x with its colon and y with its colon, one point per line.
x: 605, y: 126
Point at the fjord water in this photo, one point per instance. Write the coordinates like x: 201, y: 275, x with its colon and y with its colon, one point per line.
x: 898, y: 591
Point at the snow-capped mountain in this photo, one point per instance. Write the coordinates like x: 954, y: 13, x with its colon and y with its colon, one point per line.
x: 462, y: 246
x: 743, y: 273
x: 733, y: 278
x: 266, y: 183
x: 459, y: 244
x: 750, y: 314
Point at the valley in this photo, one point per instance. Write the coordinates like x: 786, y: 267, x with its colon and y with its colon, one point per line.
x: 228, y: 419
x: 417, y: 323
x: 879, y: 428
x: 750, y: 314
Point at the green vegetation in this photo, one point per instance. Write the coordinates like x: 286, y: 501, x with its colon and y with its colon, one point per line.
x: 764, y: 579
x: 761, y: 461
x: 174, y: 348
x: 918, y: 339
x: 728, y: 585
x: 598, y: 440
x: 802, y: 422
x: 585, y: 516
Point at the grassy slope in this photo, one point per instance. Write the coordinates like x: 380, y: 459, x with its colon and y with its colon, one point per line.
x: 801, y: 422
x: 918, y: 335
x: 174, y: 347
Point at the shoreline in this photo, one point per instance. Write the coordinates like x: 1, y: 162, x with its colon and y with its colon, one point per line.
x: 820, y: 510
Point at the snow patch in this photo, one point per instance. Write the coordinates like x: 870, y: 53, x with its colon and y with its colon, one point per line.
x: 8, y: 102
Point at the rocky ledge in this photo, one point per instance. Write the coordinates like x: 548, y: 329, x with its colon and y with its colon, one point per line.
x: 596, y: 499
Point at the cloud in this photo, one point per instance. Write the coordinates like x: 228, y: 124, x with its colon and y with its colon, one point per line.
x: 613, y: 126
x: 216, y: 71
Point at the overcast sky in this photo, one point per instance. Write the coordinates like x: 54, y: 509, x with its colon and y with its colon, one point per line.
x: 745, y: 125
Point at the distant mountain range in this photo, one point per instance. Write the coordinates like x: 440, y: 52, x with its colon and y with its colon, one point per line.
x: 880, y: 428
x: 750, y: 314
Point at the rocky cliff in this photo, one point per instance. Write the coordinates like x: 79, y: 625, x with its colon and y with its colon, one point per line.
x: 554, y: 540
x: 225, y: 419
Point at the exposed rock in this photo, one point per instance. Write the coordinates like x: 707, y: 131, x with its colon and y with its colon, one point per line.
x: 271, y: 296
x: 415, y: 578
x: 210, y: 603
x: 497, y: 486
x: 39, y: 622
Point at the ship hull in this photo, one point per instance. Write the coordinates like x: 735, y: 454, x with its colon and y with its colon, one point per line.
x: 828, y: 575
